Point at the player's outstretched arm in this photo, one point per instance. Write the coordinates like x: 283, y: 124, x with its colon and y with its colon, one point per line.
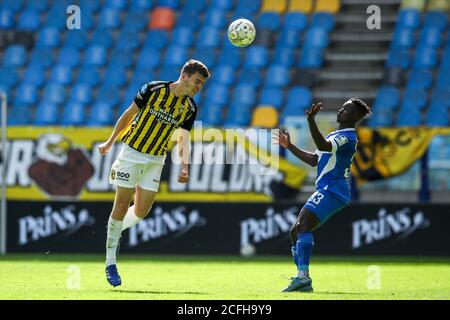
x: 184, y: 153
x: 319, y: 140
x: 121, y: 125
x: 282, y: 138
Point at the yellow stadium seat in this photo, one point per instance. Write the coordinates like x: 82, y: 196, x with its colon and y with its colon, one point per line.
x: 416, y: 4
x: 265, y: 117
x: 278, y: 6
x: 331, y: 6
x: 439, y: 5
x: 304, y: 6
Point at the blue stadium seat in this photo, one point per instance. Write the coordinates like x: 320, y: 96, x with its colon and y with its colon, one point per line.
x: 128, y: 40
x: 136, y: 21
x: 257, y: 57
x: 425, y: 57
x: 108, y: 93
x: 420, y: 79
x: 208, y: 38
x: 149, y: 58
x: 388, y: 98
x: 175, y: 56
x: 290, y: 38
x: 277, y: 76
x: 14, y: 56
x: 182, y: 36
x: 224, y: 75
x: 102, y: 37
x: 231, y: 56
x: 81, y: 93
x: 217, y: 94
x: 284, y: 56
x: 380, y: 120
x: 194, y: 6
x: 437, y: 117
x: 316, y: 38
x: 435, y: 19
x: 26, y: 94
x: 324, y: 20
x: 76, y: 39
x: 211, y: 115
x: 245, y: 7
x: 73, y: 114
x: 87, y: 20
x: 208, y: 57
x: 169, y: 73
x: 414, y: 99
x: 189, y: 19
x: 269, y: 20
x: 13, y: 5
x: 61, y: 74
x: 311, y: 58
x: 272, y: 97
x: 244, y: 94
x: 19, y: 115
x: 42, y: 57
x: 91, y: 6
x: 118, y: 4
x: 8, y: 77
x: 35, y: 75
x: 403, y: 39
x: 223, y: 4
x: 56, y: 18
x: 88, y: 75
x: 69, y: 56
x: 141, y: 5
x: 298, y: 98
x: 173, y: 4
x: 48, y: 38
x: 295, y: 21
x: 252, y: 77
x: 29, y: 20
x: 54, y: 93
x: 38, y: 5
x: 408, y: 18
x: 430, y: 37
x: 95, y: 55
x: 408, y: 118
x: 101, y: 114
x: 109, y: 18
x: 399, y: 58
x: 237, y: 117
x: 215, y: 18
x: 441, y: 96
x: 121, y: 58
x: 46, y: 114
x: 443, y: 79
x: 6, y: 18
x: 156, y: 39
x: 115, y: 76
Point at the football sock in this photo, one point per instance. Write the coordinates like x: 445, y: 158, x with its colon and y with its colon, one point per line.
x: 130, y: 219
x: 294, y: 254
x: 305, y: 244
x: 112, y: 240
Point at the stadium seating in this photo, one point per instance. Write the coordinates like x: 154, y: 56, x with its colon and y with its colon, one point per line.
x: 264, y: 117
x: 304, y: 6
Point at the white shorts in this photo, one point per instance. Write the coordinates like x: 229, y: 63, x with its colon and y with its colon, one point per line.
x: 133, y: 168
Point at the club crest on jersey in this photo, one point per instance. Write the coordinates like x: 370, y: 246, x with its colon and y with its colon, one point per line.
x: 340, y: 140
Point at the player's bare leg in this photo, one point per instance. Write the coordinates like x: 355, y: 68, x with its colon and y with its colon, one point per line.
x: 302, y: 243
x: 143, y: 201
x: 121, y: 203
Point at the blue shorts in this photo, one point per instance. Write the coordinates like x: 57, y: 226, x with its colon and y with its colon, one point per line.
x: 324, y: 204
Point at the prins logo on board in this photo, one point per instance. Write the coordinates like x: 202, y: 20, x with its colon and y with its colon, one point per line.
x: 60, y: 169
x: 62, y: 222
x: 399, y: 224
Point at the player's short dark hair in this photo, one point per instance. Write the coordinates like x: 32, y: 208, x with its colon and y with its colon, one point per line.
x: 361, y: 106
x: 193, y: 66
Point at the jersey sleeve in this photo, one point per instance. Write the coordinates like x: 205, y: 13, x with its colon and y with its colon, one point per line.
x: 142, y: 96
x: 340, y: 142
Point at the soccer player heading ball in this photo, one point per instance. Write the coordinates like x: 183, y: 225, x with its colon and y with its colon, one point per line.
x: 333, y: 157
x: 161, y: 107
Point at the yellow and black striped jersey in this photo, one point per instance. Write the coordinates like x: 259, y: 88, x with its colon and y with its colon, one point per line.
x: 161, y: 112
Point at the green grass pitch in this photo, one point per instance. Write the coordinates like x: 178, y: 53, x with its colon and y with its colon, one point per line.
x: 57, y: 276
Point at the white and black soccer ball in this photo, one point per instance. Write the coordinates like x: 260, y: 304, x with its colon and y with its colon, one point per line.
x: 241, y: 32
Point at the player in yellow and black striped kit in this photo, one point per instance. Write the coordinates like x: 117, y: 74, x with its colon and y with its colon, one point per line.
x: 159, y: 108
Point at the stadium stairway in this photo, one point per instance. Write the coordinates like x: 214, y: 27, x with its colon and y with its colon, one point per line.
x: 355, y: 59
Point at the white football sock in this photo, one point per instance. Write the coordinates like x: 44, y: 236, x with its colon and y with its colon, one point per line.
x: 302, y: 273
x: 130, y: 219
x: 112, y: 240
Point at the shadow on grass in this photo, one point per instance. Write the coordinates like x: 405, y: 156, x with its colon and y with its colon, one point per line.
x: 158, y: 292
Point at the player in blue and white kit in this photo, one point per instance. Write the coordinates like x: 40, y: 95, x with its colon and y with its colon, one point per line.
x: 333, y: 159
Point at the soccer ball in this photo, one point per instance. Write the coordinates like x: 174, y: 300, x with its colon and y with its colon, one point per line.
x: 241, y: 32
x: 248, y: 250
